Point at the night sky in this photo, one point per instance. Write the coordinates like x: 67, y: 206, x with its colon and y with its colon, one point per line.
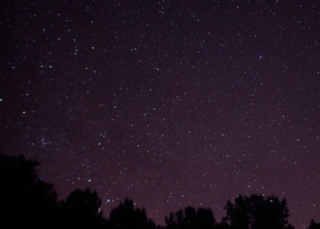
x: 169, y: 103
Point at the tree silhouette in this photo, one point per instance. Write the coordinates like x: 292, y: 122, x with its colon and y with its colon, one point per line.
x: 238, y: 213
x: 126, y: 216
x: 222, y: 225
x: 257, y: 212
x: 25, y: 200
x: 81, y: 209
x: 314, y: 225
x: 191, y: 218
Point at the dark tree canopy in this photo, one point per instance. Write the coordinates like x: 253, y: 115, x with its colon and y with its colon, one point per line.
x: 257, y: 212
x: 191, y: 218
x: 126, y: 216
x: 81, y: 209
x: 24, y: 196
x: 27, y: 201
x: 314, y: 225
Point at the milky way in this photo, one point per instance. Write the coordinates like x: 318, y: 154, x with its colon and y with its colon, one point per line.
x: 170, y: 103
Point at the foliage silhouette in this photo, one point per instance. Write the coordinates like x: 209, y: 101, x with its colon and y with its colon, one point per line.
x: 222, y: 225
x: 81, y: 209
x: 191, y: 218
x: 314, y: 225
x: 126, y: 216
x: 25, y: 199
x: 257, y: 212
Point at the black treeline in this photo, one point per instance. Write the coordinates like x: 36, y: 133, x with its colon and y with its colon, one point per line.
x: 26, y: 201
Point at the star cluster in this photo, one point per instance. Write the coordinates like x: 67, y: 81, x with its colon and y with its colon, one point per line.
x: 170, y: 103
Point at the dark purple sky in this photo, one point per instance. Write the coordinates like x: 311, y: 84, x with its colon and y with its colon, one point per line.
x: 170, y: 103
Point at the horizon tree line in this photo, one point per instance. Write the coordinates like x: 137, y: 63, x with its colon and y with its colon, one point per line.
x: 27, y: 201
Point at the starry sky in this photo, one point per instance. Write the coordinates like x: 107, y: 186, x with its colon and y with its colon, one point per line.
x: 170, y: 103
